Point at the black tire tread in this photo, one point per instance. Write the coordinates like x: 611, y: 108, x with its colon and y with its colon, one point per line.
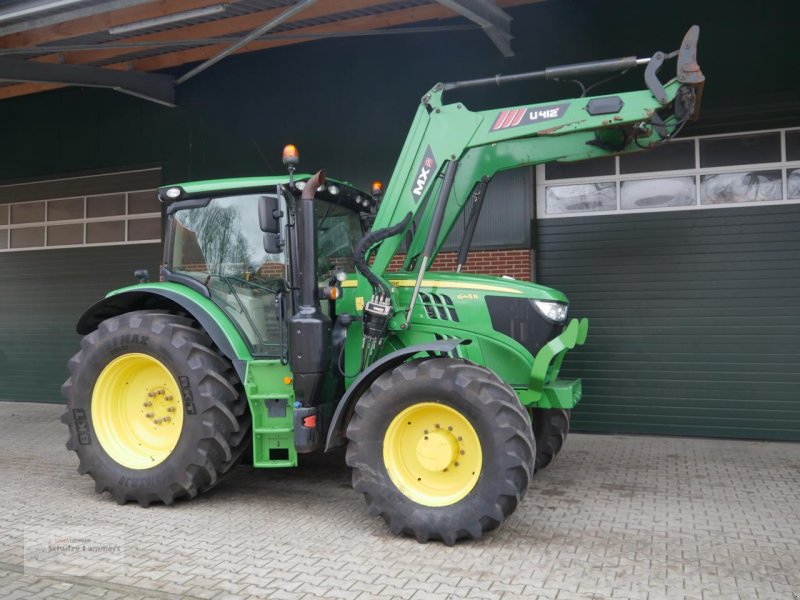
x: 550, y: 428
x: 225, y: 422
x: 511, y: 419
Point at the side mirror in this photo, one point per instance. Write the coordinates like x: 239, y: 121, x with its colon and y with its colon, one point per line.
x: 269, y: 214
x: 273, y: 244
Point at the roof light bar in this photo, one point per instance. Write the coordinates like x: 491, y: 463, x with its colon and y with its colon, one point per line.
x: 168, y: 19
x: 32, y: 8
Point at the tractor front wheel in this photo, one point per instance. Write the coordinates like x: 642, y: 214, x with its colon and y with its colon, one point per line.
x: 550, y: 428
x: 441, y: 449
x: 154, y: 412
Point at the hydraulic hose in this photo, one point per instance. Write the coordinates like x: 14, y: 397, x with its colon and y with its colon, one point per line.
x: 369, y: 240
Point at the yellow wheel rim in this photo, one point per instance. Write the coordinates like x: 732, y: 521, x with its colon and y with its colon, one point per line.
x: 432, y: 454
x: 137, y: 411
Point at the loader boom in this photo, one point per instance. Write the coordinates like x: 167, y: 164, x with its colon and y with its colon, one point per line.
x: 473, y: 146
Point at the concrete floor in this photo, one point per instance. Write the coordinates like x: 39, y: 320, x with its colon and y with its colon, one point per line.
x: 615, y: 517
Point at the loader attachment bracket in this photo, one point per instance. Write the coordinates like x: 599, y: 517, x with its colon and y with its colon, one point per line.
x: 689, y: 73
x: 651, y: 78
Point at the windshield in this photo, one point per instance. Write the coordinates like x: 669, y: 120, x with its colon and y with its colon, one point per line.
x: 222, y: 246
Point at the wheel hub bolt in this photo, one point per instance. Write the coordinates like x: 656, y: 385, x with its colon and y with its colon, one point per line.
x: 161, y: 392
x: 151, y: 394
x: 148, y: 404
x: 149, y: 415
x: 168, y: 398
x: 158, y: 421
x: 170, y: 409
x: 167, y: 418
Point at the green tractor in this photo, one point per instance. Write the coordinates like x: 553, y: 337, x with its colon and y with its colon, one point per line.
x: 277, y: 329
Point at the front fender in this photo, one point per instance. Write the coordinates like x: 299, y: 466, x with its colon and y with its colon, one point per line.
x: 171, y: 296
x: 336, y: 431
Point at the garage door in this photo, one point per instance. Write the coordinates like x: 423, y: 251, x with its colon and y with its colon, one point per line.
x: 63, y: 245
x: 695, y: 313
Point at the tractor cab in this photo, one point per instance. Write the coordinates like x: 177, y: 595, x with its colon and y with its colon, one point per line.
x: 230, y: 240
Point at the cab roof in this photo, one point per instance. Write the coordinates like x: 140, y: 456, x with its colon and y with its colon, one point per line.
x: 343, y: 193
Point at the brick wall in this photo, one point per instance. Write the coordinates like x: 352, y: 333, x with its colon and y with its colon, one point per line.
x: 514, y: 263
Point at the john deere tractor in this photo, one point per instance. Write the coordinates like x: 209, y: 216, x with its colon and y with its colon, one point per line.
x: 277, y: 329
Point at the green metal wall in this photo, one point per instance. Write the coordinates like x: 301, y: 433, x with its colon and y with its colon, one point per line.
x: 694, y: 319
x: 44, y: 292
x: 348, y: 102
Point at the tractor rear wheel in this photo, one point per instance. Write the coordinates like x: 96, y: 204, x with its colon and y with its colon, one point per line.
x: 441, y: 449
x: 550, y: 428
x: 155, y: 413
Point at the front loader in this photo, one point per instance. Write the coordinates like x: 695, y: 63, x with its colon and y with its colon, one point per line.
x: 278, y: 330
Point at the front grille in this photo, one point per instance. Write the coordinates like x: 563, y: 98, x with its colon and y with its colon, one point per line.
x: 438, y: 306
x: 518, y: 319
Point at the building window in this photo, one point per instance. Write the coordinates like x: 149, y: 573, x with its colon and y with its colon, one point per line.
x: 748, y: 169
x: 108, y: 219
x: 582, y: 197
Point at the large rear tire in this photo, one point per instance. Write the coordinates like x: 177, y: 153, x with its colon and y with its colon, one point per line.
x: 550, y: 428
x: 441, y: 449
x: 155, y: 412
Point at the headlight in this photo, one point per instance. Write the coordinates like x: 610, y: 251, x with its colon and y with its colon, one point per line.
x: 173, y: 193
x: 554, y: 311
x: 300, y: 185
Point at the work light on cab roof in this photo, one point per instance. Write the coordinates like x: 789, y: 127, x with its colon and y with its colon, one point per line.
x: 291, y: 158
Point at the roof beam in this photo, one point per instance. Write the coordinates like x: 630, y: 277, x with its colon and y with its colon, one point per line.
x: 223, y: 27
x: 494, y: 21
x: 135, y: 46
x: 220, y: 27
x: 401, y: 16
x: 156, y: 88
x: 256, y: 33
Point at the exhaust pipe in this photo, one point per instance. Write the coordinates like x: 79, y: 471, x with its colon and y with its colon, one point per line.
x: 309, y: 327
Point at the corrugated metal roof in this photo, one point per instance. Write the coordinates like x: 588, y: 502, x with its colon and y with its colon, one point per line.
x: 243, y: 7
x: 238, y: 9
x: 166, y: 44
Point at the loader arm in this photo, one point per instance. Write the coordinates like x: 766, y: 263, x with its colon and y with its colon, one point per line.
x: 451, y: 146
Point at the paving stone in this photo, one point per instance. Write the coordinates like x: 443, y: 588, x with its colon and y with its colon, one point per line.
x: 636, y: 517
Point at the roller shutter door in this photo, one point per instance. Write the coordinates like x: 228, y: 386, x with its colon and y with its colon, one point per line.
x: 695, y: 319
x: 46, y: 289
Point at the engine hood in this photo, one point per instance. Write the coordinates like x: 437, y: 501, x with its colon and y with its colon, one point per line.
x: 463, y: 283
